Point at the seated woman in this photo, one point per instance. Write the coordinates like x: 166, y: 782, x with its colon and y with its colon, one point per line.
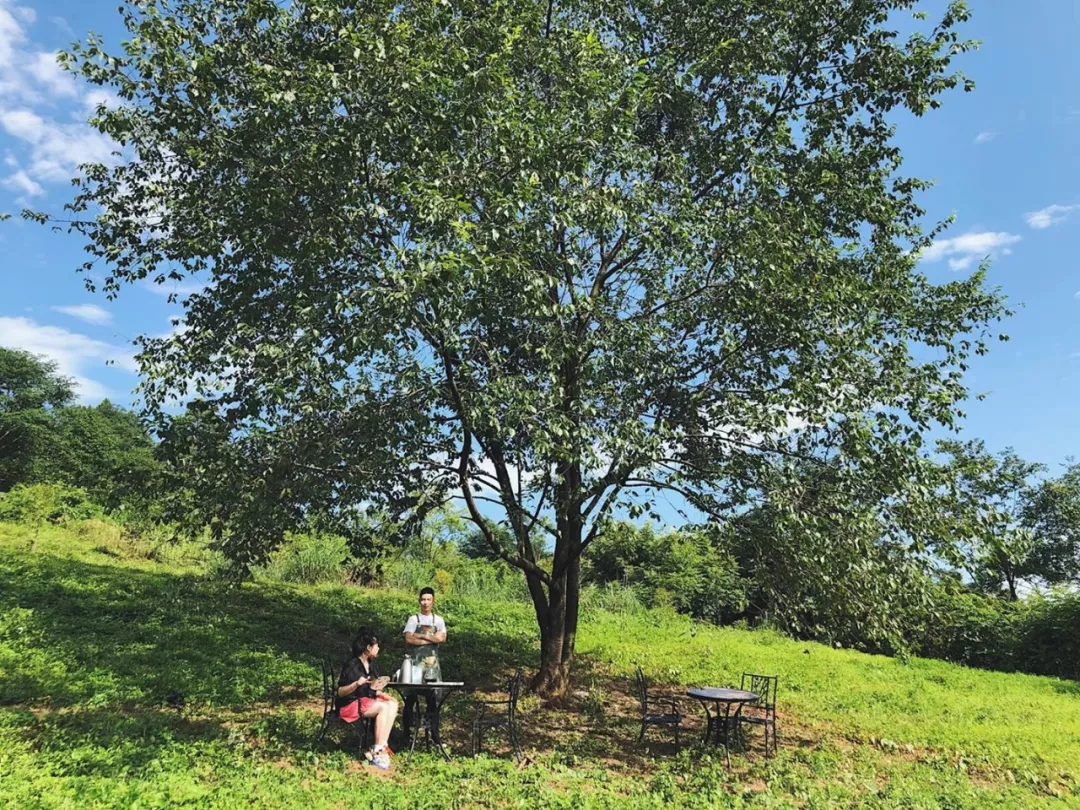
x: 359, y: 694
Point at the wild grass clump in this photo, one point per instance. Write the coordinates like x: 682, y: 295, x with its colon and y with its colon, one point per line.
x: 308, y: 559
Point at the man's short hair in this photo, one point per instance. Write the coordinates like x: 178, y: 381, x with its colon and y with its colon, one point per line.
x: 428, y: 590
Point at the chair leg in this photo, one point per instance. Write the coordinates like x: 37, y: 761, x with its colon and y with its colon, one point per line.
x: 676, y: 736
x: 519, y: 753
x: 322, y: 730
x: 641, y: 736
x: 415, y: 734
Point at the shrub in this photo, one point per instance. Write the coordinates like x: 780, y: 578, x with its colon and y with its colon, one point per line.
x: 611, y: 598
x: 969, y: 628
x: 443, y: 581
x: 36, y: 504
x: 104, y: 535
x: 1048, y: 639
x: 308, y: 558
x: 679, y: 569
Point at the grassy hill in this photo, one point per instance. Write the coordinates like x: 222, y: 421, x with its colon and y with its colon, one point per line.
x: 95, y: 639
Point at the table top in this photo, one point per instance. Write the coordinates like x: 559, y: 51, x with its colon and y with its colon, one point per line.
x: 428, y: 685
x: 722, y: 695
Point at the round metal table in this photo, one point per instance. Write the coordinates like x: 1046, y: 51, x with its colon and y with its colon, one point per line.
x: 721, y: 719
x: 441, y: 690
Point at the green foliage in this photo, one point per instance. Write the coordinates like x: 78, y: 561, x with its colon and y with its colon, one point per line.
x: 37, y: 504
x: 92, y: 646
x: 683, y: 569
x: 561, y: 256
x: 29, y: 383
x: 308, y: 558
x: 30, y: 388
x: 44, y: 439
x: 1040, y: 635
x: 103, y: 449
x: 1052, y: 513
x: 821, y: 562
x: 988, y: 498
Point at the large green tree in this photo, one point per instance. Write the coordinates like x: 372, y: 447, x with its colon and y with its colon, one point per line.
x: 548, y: 257
x: 1011, y: 525
x: 1052, y: 511
x: 31, y: 388
x: 103, y: 449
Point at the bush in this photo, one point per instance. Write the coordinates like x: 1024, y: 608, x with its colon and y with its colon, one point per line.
x: 1040, y: 635
x: 611, y: 598
x: 309, y: 559
x: 969, y: 628
x: 1049, y: 636
x: 678, y: 569
x: 105, y: 536
x: 453, y: 571
x: 36, y: 504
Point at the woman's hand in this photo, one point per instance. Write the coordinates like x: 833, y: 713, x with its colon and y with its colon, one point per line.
x: 360, y: 683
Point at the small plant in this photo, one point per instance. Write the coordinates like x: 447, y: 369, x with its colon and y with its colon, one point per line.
x: 309, y: 559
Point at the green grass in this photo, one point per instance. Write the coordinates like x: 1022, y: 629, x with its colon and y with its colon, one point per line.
x: 92, y: 643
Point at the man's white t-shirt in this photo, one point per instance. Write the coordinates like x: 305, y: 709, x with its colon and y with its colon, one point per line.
x: 420, y: 620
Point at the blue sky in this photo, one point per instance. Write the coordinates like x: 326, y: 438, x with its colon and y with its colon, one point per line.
x: 1006, y: 159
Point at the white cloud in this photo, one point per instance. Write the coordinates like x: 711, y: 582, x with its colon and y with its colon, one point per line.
x: 985, y: 137
x: 99, y: 96
x: 56, y: 150
x: 963, y: 251
x: 32, y: 85
x: 12, y: 34
x: 1051, y: 215
x: 21, y: 181
x: 48, y: 73
x: 26, y: 125
x: 75, y: 355
x: 91, y: 313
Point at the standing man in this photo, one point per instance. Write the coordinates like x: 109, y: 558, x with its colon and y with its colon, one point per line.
x: 424, y: 633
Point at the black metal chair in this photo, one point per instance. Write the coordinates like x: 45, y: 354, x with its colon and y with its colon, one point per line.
x: 363, y: 729
x: 651, y: 717
x: 490, y: 716
x: 762, y: 712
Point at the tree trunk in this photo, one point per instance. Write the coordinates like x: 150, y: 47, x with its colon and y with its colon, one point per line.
x: 558, y: 629
x: 1010, y: 580
x: 558, y: 620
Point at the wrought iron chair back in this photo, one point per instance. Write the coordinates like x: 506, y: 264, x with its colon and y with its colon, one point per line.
x: 513, y: 690
x: 328, y: 688
x: 363, y: 728
x: 486, y: 718
x: 763, y: 710
x: 762, y: 685
x: 643, y: 691
x: 667, y: 710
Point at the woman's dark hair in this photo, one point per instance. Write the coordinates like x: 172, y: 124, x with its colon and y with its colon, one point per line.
x: 427, y: 590
x: 365, y: 637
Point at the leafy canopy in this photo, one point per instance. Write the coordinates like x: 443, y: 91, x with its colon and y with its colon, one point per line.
x: 559, y: 256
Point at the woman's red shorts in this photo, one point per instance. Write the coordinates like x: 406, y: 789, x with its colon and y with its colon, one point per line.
x: 351, y: 712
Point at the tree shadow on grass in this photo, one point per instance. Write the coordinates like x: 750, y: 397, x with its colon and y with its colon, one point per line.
x: 81, y: 633
x: 101, y: 651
